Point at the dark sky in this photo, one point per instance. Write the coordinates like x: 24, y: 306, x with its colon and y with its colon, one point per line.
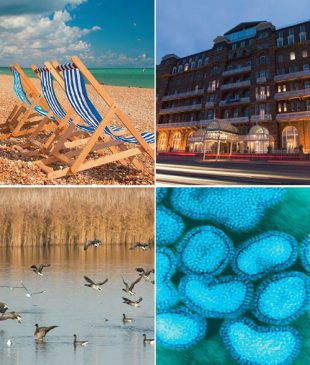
x: 189, y: 26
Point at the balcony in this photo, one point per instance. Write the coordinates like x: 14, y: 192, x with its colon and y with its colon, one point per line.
x: 293, y: 116
x: 261, y: 80
x: 211, y: 89
x: 209, y: 104
x: 237, y: 120
x: 180, y: 109
x: 178, y: 125
x: 292, y: 94
x: 261, y: 97
x: 236, y: 85
x: 245, y: 100
x: 187, y: 94
x: 237, y: 71
x: 292, y: 76
x: 261, y: 118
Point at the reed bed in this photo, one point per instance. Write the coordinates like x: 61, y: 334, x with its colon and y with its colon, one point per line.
x: 38, y: 217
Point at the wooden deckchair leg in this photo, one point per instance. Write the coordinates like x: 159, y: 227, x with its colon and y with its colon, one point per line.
x: 94, y: 138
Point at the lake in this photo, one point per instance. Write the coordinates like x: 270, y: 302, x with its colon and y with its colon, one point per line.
x: 76, y: 308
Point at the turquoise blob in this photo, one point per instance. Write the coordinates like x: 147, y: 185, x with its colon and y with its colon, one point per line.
x: 179, y: 329
x: 225, y: 297
x: 169, y: 226
x: 257, y: 345
x: 161, y: 194
x: 205, y: 250
x: 282, y: 298
x: 305, y: 253
x: 239, y: 209
x: 269, y: 252
x: 166, y: 294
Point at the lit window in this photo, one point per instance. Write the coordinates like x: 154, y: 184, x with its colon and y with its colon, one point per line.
x: 268, y: 90
x: 284, y: 107
x: 279, y: 88
x: 304, y: 53
x: 279, y: 108
x: 292, y: 56
x: 186, y: 67
x: 284, y: 88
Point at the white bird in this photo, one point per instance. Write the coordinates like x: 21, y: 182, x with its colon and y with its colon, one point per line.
x: 9, y: 342
x: 28, y: 293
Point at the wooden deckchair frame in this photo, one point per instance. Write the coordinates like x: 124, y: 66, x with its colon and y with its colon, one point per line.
x: 77, y: 160
x: 23, y: 125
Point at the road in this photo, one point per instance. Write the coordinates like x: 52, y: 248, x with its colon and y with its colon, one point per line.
x: 190, y: 171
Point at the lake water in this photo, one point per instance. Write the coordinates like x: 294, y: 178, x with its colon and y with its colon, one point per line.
x: 76, y: 308
x: 292, y: 216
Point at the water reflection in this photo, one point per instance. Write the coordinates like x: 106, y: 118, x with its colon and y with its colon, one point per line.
x: 93, y: 315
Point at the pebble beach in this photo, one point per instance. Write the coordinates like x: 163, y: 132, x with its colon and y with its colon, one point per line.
x: 137, y: 103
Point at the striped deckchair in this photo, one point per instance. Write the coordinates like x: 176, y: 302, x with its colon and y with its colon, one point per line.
x: 30, y: 105
x: 126, y: 140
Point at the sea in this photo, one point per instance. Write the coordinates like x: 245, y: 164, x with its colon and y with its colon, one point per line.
x: 131, y: 77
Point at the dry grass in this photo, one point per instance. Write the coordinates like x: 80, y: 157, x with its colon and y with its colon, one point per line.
x: 69, y: 216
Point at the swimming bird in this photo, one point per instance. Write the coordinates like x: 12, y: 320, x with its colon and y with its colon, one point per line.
x: 132, y: 303
x: 95, y: 243
x: 3, y: 307
x: 142, y: 246
x: 41, y: 332
x: 129, y: 289
x: 148, y: 341
x: 28, y: 293
x: 79, y: 343
x: 38, y: 269
x: 94, y: 285
x: 145, y: 274
x: 11, y: 315
x: 127, y: 319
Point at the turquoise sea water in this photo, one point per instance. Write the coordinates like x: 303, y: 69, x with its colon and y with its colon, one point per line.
x: 292, y: 216
x: 135, y: 77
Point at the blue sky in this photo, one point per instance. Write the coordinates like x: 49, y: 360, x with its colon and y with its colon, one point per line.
x: 189, y: 26
x: 104, y: 33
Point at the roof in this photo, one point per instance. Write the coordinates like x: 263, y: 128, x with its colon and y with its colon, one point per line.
x: 243, y: 26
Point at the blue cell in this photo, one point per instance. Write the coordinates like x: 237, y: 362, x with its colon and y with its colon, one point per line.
x: 161, y: 194
x: 179, y: 329
x: 239, y: 209
x: 225, y: 297
x: 205, y: 250
x: 282, y: 298
x: 169, y: 226
x: 166, y: 294
x: 305, y: 253
x: 269, y: 252
x: 258, y: 345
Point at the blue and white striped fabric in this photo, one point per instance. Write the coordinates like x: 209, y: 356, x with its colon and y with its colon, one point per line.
x: 49, y: 93
x: 77, y: 95
x: 18, y: 88
x: 21, y: 95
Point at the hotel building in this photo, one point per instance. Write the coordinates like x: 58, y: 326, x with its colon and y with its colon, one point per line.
x: 250, y: 93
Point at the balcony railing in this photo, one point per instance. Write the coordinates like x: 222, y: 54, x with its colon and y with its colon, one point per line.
x: 236, y: 85
x: 257, y: 118
x: 237, y: 71
x: 187, y: 94
x: 209, y: 104
x: 261, y: 97
x: 261, y: 80
x: 237, y: 120
x: 292, y: 75
x: 293, y: 116
x: 211, y: 89
x: 195, y: 123
x: 292, y: 94
x: 183, y: 108
x: 244, y: 100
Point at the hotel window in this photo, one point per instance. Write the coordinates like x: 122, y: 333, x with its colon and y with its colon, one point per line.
x: 246, y: 112
x: 186, y: 67
x: 284, y: 107
x: 234, y: 46
x: 248, y: 64
x: 308, y: 105
x: 236, y: 113
x: 207, y: 60
x: 279, y: 108
x: 199, y: 63
x: 298, y: 106
x: 279, y: 88
x: 213, y: 85
x: 180, y: 68
x: 242, y: 44
x: 291, y: 40
x: 262, y: 91
x: 307, y: 85
x: 193, y: 65
x: 174, y: 70
x: 280, y: 58
x: 302, y: 37
x: 268, y: 91
x: 226, y: 114
x: 302, y: 28
x: 280, y: 42
x: 306, y: 67
x: 292, y: 56
x: 304, y: 53
x: 210, y: 115
x: 291, y: 31
x: 293, y: 106
x: 284, y: 88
